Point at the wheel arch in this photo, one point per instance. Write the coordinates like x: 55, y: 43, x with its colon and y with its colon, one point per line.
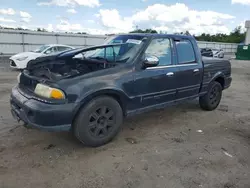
x: 119, y: 96
x: 219, y: 77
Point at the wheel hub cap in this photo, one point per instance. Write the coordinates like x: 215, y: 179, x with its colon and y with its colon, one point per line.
x: 101, y: 122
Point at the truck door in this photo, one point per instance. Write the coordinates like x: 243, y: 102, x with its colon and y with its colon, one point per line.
x: 189, y: 75
x: 156, y: 85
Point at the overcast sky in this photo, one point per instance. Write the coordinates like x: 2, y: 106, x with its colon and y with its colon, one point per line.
x: 115, y: 16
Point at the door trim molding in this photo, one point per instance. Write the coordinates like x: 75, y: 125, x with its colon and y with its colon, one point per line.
x: 168, y: 66
x: 159, y: 106
x: 157, y: 95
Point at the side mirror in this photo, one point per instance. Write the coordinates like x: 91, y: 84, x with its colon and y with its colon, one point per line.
x: 151, y: 61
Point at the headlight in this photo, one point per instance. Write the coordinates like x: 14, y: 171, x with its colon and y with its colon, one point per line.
x: 18, y: 78
x: 48, y: 92
x: 22, y: 58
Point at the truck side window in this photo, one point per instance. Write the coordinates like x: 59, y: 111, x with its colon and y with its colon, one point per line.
x: 160, y: 48
x: 185, y: 51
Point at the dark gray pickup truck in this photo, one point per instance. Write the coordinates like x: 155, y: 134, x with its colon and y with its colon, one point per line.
x: 89, y: 91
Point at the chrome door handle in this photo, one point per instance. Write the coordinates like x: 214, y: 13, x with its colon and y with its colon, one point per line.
x: 196, y: 70
x: 170, y: 74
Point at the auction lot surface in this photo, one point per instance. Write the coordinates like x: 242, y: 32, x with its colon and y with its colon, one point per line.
x: 179, y: 147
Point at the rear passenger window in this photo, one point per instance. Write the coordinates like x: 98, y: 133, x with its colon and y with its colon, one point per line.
x: 62, y: 48
x: 185, y: 51
x: 160, y: 48
x: 51, y: 50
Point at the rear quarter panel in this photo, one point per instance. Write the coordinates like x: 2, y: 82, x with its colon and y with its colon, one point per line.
x: 213, y: 69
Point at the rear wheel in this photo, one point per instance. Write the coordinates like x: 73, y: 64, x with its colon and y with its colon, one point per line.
x: 98, y: 122
x: 211, y: 100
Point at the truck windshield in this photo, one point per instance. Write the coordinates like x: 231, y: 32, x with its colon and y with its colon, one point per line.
x: 125, y: 47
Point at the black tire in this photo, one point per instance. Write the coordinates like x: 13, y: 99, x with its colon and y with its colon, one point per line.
x: 98, y: 122
x: 211, y: 100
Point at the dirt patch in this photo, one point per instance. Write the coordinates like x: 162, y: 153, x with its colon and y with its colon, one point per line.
x: 242, y: 133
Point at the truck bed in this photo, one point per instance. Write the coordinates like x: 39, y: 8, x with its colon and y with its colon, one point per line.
x: 214, y: 66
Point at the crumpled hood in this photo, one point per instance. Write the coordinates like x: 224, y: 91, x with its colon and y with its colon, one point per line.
x: 24, y: 54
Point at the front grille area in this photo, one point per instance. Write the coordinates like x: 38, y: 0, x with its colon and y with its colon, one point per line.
x: 12, y: 63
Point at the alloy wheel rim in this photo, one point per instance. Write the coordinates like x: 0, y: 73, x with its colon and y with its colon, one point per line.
x: 101, y: 122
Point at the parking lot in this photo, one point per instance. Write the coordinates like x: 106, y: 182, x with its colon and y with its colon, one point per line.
x: 179, y: 147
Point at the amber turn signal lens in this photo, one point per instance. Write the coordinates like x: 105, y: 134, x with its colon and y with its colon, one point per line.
x: 57, y: 94
x: 48, y: 92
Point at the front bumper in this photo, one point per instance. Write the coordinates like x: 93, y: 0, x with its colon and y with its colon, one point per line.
x: 15, y: 64
x: 40, y: 115
x: 12, y: 64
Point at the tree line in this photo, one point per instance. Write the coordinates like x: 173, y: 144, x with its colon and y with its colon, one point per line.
x: 235, y: 36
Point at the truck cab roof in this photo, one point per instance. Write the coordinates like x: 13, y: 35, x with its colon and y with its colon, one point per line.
x: 159, y: 35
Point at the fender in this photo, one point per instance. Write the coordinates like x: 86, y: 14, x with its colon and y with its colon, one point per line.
x: 217, y: 75
x: 116, y: 93
x: 204, y: 87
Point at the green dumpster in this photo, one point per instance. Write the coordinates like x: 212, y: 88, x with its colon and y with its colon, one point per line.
x: 243, y: 52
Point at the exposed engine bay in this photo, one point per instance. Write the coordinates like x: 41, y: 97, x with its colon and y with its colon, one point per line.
x: 82, y: 61
x: 59, y: 69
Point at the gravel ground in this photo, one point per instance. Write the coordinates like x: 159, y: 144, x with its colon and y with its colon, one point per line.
x: 179, y: 147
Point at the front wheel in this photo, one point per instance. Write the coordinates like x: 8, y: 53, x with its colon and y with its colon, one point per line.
x: 98, y: 122
x: 211, y: 100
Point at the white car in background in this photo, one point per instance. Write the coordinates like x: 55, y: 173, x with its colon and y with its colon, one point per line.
x: 218, y: 53
x: 20, y: 61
